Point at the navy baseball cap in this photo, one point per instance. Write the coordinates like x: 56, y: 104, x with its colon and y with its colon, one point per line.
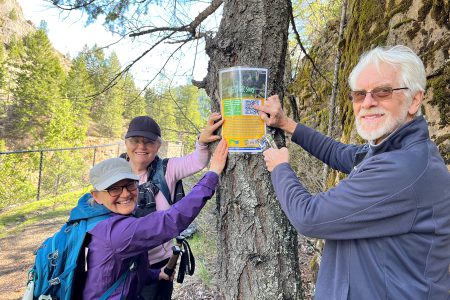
x: 144, y: 126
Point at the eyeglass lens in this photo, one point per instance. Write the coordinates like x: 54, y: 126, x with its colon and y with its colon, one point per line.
x: 379, y: 93
x: 117, y: 190
x: 140, y: 140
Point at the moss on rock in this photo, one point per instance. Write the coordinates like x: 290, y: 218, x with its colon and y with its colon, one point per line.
x: 441, y: 95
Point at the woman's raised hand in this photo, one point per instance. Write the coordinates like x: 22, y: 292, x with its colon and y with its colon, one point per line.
x: 219, y: 157
x: 207, y: 134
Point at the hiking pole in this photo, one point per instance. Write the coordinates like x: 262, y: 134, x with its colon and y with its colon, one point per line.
x: 170, y: 267
x: 182, y: 269
x: 187, y: 262
x: 180, y: 239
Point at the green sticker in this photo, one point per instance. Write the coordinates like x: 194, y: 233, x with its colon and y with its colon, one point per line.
x: 232, y: 107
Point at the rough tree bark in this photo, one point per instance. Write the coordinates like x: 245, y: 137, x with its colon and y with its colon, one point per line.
x: 257, y: 245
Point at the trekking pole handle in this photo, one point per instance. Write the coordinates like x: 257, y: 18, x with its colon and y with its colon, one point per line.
x: 170, y: 267
x: 180, y: 239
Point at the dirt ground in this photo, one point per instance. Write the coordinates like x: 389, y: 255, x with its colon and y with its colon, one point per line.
x: 16, y: 256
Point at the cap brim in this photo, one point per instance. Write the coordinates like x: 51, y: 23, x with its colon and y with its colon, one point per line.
x: 145, y: 134
x: 117, y: 177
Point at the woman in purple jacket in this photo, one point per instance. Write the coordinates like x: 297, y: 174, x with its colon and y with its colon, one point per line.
x: 122, y: 238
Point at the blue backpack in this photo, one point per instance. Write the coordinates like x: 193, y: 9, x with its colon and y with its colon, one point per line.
x: 56, y: 264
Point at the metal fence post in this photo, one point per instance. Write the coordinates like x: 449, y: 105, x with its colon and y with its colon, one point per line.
x: 93, y: 160
x: 41, y: 158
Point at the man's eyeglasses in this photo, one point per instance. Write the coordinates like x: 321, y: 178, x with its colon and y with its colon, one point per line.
x: 116, y: 190
x: 140, y: 140
x: 378, y: 93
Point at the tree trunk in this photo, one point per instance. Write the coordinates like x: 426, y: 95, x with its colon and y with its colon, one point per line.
x: 332, y: 105
x: 258, y: 257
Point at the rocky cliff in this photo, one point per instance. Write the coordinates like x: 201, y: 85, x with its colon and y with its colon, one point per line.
x: 12, y: 22
x: 13, y: 25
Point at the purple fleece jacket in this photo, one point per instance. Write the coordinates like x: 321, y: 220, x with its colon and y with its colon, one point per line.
x: 115, y: 241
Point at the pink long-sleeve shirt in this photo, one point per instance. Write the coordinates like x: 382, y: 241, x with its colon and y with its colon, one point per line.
x: 177, y: 168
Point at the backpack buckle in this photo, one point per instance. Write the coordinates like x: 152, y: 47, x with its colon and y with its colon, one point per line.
x: 46, y: 297
x: 52, y: 258
x: 133, y: 266
x: 54, y: 281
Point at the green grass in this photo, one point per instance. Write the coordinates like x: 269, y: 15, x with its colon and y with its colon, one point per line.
x: 17, y: 217
x: 204, y: 250
x: 203, y: 245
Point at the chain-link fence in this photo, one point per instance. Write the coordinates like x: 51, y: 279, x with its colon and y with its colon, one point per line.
x: 28, y: 175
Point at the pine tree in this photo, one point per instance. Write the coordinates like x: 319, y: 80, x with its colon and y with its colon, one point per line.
x: 164, y: 112
x: 3, y: 71
x: 38, y: 91
x: 43, y: 117
x: 3, y: 92
x: 134, y: 103
x: 80, y: 91
x: 108, y: 104
x: 109, y: 117
x: 189, y: 121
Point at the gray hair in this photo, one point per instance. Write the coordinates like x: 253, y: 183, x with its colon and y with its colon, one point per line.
x: 410, y: 66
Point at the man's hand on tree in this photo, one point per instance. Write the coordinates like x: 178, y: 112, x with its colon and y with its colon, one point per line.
x: 273, y: 115
x: 274, y: 157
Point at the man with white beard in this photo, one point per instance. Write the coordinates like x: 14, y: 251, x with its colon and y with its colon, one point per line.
x: 387, y: 224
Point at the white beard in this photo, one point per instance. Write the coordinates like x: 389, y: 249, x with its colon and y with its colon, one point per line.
x: 382, y: 130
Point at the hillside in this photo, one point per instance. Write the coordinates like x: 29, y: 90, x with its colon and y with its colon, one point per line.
x: 12, y: 21
x: 14, y: 25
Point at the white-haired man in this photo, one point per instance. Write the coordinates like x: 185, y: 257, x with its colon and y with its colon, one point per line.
x: 387, y: 225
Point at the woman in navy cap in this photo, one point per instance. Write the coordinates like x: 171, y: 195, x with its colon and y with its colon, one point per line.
x: 143, y: 140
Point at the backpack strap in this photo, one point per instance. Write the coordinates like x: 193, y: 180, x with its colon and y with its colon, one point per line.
x: 122, y: 278
x: 165, y: 161
x: 159, y: 179
x: 179, y: 190
x: 91, y: 222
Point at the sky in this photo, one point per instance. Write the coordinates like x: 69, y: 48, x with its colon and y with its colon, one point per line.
x: 68, y: 34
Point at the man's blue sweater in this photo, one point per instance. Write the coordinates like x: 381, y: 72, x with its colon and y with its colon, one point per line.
x: 387, y: 225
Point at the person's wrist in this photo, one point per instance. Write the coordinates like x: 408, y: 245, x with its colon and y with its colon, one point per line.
x: 215, y: 170
x: 289, y: 126
x: 200, y: 141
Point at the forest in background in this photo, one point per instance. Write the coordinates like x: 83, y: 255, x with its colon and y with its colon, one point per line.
x: 421, y: 25
x: 48, y: 101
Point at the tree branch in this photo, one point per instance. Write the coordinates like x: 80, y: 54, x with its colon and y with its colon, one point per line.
x: 203, y: 15
x: 182, y: 112
x: 191, y: 27
x: 71, y: 7
x: 114, y: 81
x: 297, y: 35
